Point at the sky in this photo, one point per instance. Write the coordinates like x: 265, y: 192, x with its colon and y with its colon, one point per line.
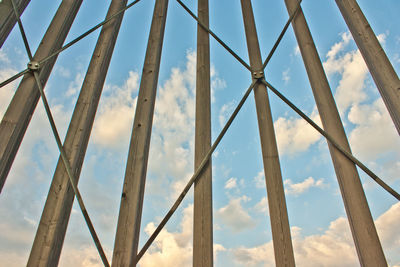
x: 242, y: 234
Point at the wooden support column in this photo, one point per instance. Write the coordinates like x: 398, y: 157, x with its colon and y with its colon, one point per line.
x: 381, y: 69
x: 130, y: 213
x: 20, y: 111
x: 203, y: 222
x: 276, y: 197
x: 53, y: 224
x: 7, y: 17
x: 361, y: 223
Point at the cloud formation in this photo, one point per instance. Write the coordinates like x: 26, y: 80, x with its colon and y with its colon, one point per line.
x: 262, y: 206
x: 231, y: 183
x: 353, y: 71
x: 113, y: 124
x: 372, y: 136
x: 323, y: 249
x: 259, y: 180
x: 6, y: 92
x: 375, y: 128
x: 295, y: 135
x: 235, y: 216
x: 302, y: 187
x: 171, y: 248
x: 225, y: 111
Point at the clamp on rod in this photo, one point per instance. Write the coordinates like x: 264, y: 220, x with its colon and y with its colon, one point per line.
x: 33, y: 66
x: 258, y: 74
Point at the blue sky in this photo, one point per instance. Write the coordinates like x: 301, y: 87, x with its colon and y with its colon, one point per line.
x: 242, y: 235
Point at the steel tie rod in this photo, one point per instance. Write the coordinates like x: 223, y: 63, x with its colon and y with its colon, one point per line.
x: 34, y: 67
x: 271, y: 53
x: 195, y: 175
x: 77, y: 39
x: 215, y: 36
x: 80, y: 37
x: 332, y: 141
x: 207, y: 157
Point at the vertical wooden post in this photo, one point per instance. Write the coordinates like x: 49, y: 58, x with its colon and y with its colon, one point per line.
x: 381, y: 69
x: 50, y: 235
x: 19, y: 112
x: 361, y: 223
x: 7, y: 17
x: 276, y: 197
x: 130, y: 213
x: 203, y: 222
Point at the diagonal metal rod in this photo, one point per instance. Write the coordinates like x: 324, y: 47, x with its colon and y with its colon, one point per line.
x: 19, y: 112
x: 208, y: 155
x: 60, y: 147
x: 7, y: 19
x: 21, y: 28
x: 279, y: 219
x: 48, y: 242
x: 80, y: 37
x: 382, y: 71
x: 28, y: 50
x: 333, y: 142
x: 13, y: 78
x: 70, y: 175
x: 196, y: 174
x: 365, y: 237
x: 215, y: 36
x: 271, y: 53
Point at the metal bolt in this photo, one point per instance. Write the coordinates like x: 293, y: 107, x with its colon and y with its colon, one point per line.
x: 33, y: 65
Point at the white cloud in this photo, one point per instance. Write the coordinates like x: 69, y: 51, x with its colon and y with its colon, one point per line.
x: 296, y: 50
x: 6, y: 92
x: 286, y: 76
x: 234, y: 216
x: 172, y: 145
x: 388, y: 230
x: 382, y: 38
x: 113, y: 123
x: 217, y: 83
x: 252, y: 256
x: 63, y: 72
x: 225, y: 111
x: 174, y: 248
x: 295, y: 134
x: 75, y: 85
x: 323, y: 249
x: 13, y: 258
x: 374, y: 133
x: 4, y: 58
x: 259, y: 180
x: 331, y: 65
x: 171, y: 248
x: 353, y: 71
x: 216, y: 249
x: 314, y: 250
x: 262, y: 206
x: 24, y: 192
x: 81, y: 256
x: 299, y: 188
x: 231, y: 183
x: 373, y: 137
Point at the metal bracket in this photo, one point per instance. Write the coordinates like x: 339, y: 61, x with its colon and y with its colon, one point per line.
x: 33, y: 65
x: 258, y: 74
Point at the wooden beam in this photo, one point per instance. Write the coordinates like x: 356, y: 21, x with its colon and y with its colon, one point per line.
x: 283, y: 248
x: 130, y: 213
